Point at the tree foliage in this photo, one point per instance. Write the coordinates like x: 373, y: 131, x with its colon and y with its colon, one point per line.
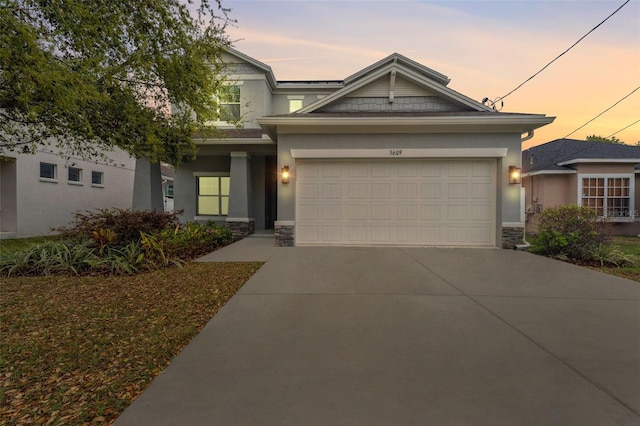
x: 91, y: 75
x: 612, y: 139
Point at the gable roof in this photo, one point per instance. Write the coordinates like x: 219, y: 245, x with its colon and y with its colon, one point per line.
x: 260, y: 65
x: 398, y: 65
x: 560, y: 154
x: 403, y: 60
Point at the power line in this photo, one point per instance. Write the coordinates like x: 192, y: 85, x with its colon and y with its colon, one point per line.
x: 623, y: 98
x: 560, y: 55
x: 624, y: 128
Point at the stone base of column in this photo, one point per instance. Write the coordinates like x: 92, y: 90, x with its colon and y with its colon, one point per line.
x: 512, y: 236
x: 241, y: 227
x: 284, y: 233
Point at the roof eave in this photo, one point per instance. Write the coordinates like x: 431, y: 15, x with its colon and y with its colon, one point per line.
x: 447, y: 124
x: 599, y: 160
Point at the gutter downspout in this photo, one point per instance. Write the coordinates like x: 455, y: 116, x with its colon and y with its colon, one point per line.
x: 525, y: 244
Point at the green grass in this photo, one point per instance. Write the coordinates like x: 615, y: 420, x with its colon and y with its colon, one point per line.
x: 18, y: 244
x: 78, y: 350
x: 627, y: 245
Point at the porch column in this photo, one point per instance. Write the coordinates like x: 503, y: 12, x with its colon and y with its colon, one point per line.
x: 147, y: 186
x: 239, y: 218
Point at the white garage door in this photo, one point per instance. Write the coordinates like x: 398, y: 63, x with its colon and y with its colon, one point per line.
x: 396, y: 202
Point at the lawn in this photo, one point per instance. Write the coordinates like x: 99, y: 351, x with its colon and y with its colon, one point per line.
x: 78, y: 350
x: 17, y: 244
x: 628, y: 245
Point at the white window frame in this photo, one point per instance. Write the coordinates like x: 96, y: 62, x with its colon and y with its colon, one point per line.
x: 295, y: 100
x: 606, y: 177
x: 74, y: 182
x: 97, y: 185
x: 54, y: 179
x: 197, y: 175
x: 221, y: 123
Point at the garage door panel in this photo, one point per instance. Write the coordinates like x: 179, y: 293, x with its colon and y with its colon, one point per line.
x: 357, y: 212
x: 409, y: 212
x: 308, y: 212
x: 357, y: 191
x: 458, y: 191
x: 431, y: 213
x: 380, y: 191
x: 407, y: 191
x: 396, y: 202
x: 380, y: 212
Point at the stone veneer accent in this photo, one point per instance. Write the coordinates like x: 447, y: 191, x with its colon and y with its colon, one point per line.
x: 512, y: 236
x: 241, y: 228
x: 284, y: 234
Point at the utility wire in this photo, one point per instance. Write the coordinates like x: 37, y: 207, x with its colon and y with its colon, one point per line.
x: 624, y: 128
x: 623, y: 98
x: 558, y: 57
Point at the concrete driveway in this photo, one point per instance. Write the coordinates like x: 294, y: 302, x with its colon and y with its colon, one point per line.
x: 408, y: 336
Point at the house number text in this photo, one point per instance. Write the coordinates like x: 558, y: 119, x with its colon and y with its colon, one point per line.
x: 395, y: 152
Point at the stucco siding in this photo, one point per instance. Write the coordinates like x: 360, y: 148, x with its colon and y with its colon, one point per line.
x: 42, y: 205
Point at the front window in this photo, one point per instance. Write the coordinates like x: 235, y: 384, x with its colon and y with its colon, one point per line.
x: 168, y: 190
x: 213, y: 195
x: 229, y: 103
x: 609, y: 196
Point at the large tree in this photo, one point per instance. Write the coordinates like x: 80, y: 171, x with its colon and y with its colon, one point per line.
x: 90, y: 75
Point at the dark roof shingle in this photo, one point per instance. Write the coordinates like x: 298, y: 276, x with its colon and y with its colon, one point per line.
x: 547, y: 156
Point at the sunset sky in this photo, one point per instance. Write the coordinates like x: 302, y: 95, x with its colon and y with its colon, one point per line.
x: 486, y: 48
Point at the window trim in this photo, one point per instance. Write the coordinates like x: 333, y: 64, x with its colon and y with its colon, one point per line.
x: 606, y: 177
x: 295, y: 98
x: 74, y: 182
x: 54, y: 179
x: 97, y: 185
x: 198, y: 175
x: 218, y: 121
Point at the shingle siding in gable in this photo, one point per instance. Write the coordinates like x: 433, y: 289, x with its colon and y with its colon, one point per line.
x: 401, y: 104
x: 243, y: 69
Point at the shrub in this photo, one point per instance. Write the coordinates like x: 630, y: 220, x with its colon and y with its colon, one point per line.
x: 53, y: 257
x: 190, y: 240
x: 572, y: 232
x: 117, y: 227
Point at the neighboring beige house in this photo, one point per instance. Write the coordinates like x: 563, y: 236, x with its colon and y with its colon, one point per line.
x: 600, y: 175
x: 42, y: 191
x: 388, y: 156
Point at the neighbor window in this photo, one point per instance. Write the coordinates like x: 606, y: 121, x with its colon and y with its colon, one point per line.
x: 48, y: 171
x: 609, y: 196
x: 229, y: 103
x: 97, y: 178
x: 213, y: 195
x: 74, y: 174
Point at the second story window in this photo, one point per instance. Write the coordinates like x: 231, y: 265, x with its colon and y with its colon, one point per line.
x: 229, y: 103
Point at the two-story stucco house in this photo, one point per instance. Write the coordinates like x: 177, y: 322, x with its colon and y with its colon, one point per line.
x: 43, y: 190
x: 388, y: 156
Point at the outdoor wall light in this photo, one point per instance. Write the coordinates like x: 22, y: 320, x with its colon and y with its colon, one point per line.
x: 285, y: 174
x: 514, y: 175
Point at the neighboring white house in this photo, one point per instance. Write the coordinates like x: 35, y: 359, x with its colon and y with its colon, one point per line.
x: 388, y: 156
x: 167, y: 173
x: 42, y: 191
